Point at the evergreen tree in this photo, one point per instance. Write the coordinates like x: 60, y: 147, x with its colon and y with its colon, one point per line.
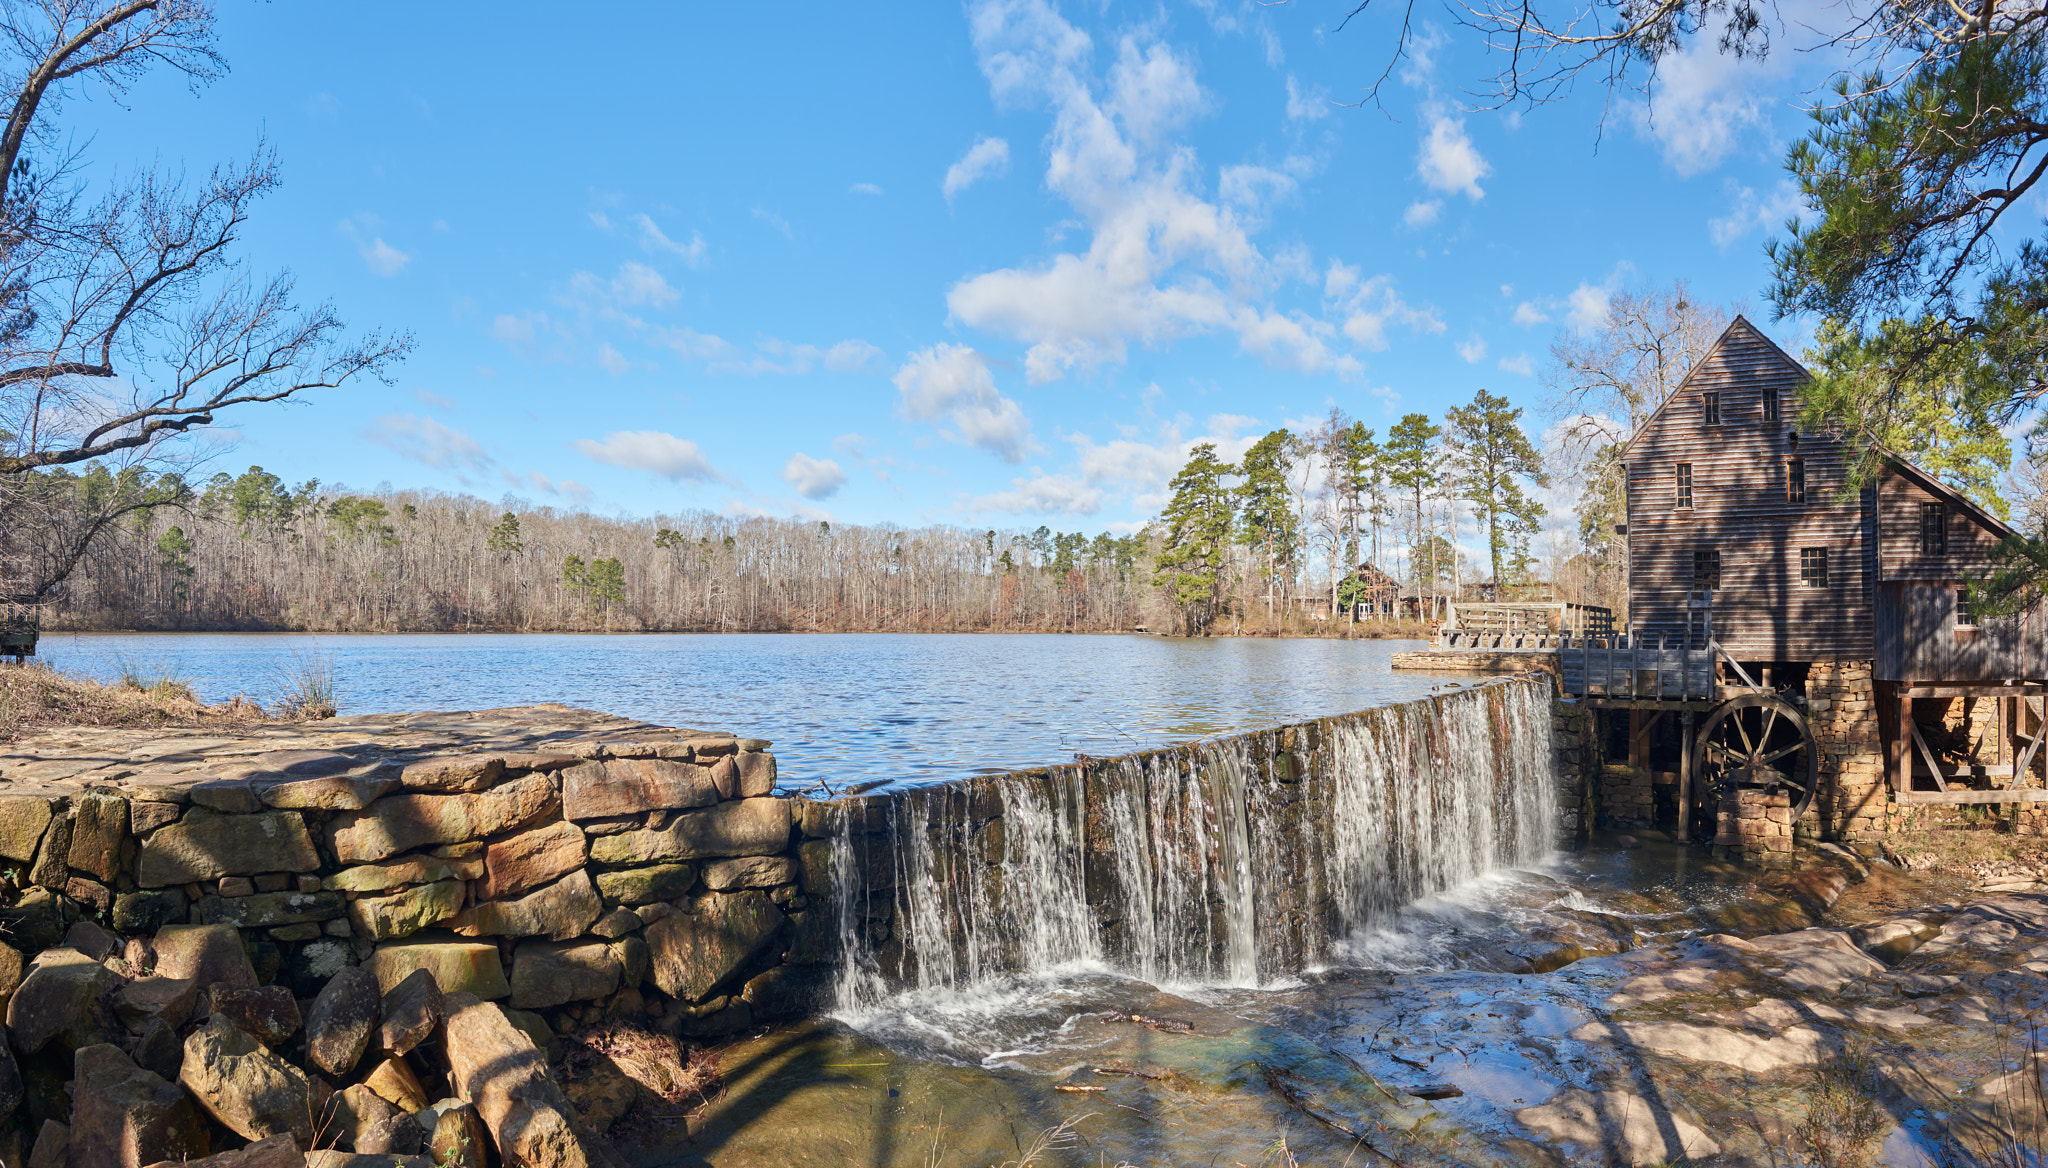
x: 1198, y: 519
x: 1493, y: 457
x: 1413, y: 463
x: 1268, y: 519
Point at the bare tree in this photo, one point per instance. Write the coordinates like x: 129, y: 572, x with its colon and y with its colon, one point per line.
x: 126, y: 319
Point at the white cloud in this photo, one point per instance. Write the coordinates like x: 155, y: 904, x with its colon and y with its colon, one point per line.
x: 434, y: 400
x: 1306, y: 104
x: 951, y: 384
x: 1707, y: 103
x: 634, y: 286
x: 1589, y: 304
x: 1751, y: 211
x: 577, y: 493
x: 863, y: 189
x: 813, y: 478
x: 690, y: 343
x: 614, y: 363
x: 1473, y: 351
x: 673, y: 458
x: 382, y: 258
x: 1519, y: 363
x: 1369, y: 305
x: 778, y: 356
x: 1042, y: 494
x: 1526, y: 314
x: 654, y: 239
x: 427, y: 441
x: 986, y: 157
x: 775, y: 221
x: 1448, y: 161
x: 1422, y: 213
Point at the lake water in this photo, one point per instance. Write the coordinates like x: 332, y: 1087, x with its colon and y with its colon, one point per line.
x: 845, y: 708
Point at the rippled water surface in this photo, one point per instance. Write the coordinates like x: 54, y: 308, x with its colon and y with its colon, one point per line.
x: 846, y: 708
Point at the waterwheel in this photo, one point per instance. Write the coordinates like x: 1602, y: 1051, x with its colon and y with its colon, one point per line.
x: 1758, y: 740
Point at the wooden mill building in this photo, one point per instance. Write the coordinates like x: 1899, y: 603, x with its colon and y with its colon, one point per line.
x: 1766, y: 600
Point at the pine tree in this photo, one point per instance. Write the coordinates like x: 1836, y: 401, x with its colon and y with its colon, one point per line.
x: 1493, y: 456
x: 1268, y: 519
x: 1413, y: 462
x: 1198, y: 519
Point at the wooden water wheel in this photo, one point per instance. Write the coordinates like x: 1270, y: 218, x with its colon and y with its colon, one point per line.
x: 1758, y: 740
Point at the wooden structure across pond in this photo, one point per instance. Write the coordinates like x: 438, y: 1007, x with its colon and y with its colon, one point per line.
x: 1751, y: 564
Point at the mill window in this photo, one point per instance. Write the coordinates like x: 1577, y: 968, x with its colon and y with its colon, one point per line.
x: 1965, y: 615
x: 1770, y: 405
x: 1795, y: 481
x: 1712, y: 403
x: 1813, y: 567
x: 1685, y: 484
x: 1933, y: 529
x: 1706, y: 568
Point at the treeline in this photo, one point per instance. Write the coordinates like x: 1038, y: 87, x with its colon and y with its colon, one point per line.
x: 251, y: 552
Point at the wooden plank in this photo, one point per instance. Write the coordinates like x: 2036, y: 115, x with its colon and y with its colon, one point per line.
x: 1987, y: 690
x: 1926, y: 755
x: 2025, y: 795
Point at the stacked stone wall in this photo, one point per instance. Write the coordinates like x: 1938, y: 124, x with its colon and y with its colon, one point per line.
x: 1580, y: 750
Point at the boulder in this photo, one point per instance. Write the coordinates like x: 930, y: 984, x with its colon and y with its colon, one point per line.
x: 207, y: 846
x: 597, y: 790
x: 1891, y: 941
x: 275, y: 1152
x: 249, y: 1090
x: 352, y: 1112
x: 122, y: 1115
x: 385, y: 918
x: 457, y: 1134
x: 158, y: 1050
x: 12, y: 1090
x: 400, y: 823
x: 616, y: 923
x: 269, y: 910
x: 757, y: 774
x: 53, y: 1146
x: 787, y: 991
x: 456, y: 773
x: 341, y: 1020
x: 91, y: 940
x: 553, y: 973
x: 33, y: 922
x: 725, y: 775
x: 394, y: 1081
x: 749, y: 872
x: 402, y: 872
x: 211, y: 953
x: 497, y: 1067
x: 466, y: 966
x: 334, y: 1159
x: 145, y: 816
x: 51, y: 868
x: 62, y: 996
x: 695, y: 952
x: 401, y: 1135
x: 268, y: 1014
x: 748, y: 827
x: 168, y: 998
x: 350, y: 791
x: 13, y: 967
x: 23, y: 819
x: 99, y: 826
x: 523, y: 862
x: 646, y: 885
x: 147, y: 911
x: 410, y: 1012
x: 560, y: 911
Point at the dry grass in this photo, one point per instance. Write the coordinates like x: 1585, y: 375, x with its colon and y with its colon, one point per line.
x: 35, y: 697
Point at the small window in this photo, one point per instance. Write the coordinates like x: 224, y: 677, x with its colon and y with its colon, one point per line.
x: 1933, y: 529
x: 1813, y: 567
x: 1706, y: 568
x: 1795, y: 481
x: 1712, y: 402
x: 1770, y: 405
x: 1965, y: 615
x: 1685, y: 484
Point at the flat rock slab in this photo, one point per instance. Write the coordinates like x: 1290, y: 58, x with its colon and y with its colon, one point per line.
x: 629, y: 786
x: 207, y: 846
x: 1802, y: 1046
x: 400, y: 823
x: 458, y: 966
x: 748, y: 827
x: 1627, y: 1127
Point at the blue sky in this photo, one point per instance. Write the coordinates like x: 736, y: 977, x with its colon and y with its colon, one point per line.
x: 997, y: 265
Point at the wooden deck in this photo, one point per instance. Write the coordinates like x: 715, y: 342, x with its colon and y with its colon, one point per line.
x: 1636, y: 668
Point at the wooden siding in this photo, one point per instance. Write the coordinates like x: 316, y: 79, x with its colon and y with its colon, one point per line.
x: 1762, y: 609
x: 1900, y: 558
x: 1916, y: 613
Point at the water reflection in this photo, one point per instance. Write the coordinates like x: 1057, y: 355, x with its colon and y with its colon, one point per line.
x: 847, y: 708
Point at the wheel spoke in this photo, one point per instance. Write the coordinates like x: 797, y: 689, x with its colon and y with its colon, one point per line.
x: 1748, y: 747
x: 1764, y: 742
x: 1778, y: 754
x: 1719, y: 749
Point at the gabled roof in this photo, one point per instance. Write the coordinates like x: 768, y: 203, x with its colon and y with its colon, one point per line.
x: 1897, y: 462
x: 1749, y: 332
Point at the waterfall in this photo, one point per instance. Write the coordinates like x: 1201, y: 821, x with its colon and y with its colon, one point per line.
x: 1230, y: 861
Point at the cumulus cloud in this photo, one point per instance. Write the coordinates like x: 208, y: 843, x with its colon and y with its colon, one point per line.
x: 382, y: 258
x: 1163, y: 260
x: 863, y: 189
x: 1519, y: 363
x: 951, y: 385
x: 675, y: 459
x: 1042, y: 494
x: 1473, y: 351
x: 1448, y: 161
x: 1369, y: 305
x: 1527, y: 313
x: 654, y: 239
x: 614, y: 363
x: 1422, y: 213
x: 1750, y: 211
x: 576, y: 493
x: 813, y: 478
x: 690, y: 343
x: 988, y: 156
x: 1306, y: 104
x: 427, y: 441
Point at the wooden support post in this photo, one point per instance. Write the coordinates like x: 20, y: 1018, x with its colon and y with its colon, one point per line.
x: 1901, y: 763
x: 1685, y: 777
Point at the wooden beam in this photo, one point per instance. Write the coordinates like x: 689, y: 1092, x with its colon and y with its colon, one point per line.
x: 1926, y: 755
x: 2024, y: 795
x: 1970, y: 691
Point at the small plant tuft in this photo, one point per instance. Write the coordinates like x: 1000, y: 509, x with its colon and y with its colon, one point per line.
x: 307, y: 681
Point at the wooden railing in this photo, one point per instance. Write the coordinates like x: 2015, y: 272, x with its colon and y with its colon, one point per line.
x: 1555, y: 616
x: 1634, y: 667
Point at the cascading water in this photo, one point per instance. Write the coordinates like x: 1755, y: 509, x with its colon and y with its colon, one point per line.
x: 1235, y: 861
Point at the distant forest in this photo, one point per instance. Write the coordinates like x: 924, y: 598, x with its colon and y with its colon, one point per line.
x: 250, y: 552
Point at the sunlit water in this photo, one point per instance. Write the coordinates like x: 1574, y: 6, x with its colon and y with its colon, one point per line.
x: 847, y: 708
